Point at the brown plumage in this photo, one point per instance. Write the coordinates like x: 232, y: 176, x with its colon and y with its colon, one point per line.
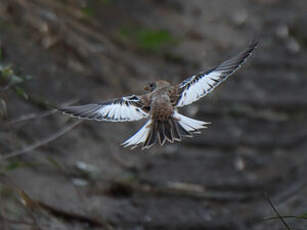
x: 160, y: 105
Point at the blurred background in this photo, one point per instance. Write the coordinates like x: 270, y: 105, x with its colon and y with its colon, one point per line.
x: 59, y: 173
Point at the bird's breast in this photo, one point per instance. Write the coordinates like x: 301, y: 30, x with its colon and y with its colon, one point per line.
x: 161, y: 107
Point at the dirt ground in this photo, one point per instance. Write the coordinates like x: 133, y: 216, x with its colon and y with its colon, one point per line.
x: 83, y: 51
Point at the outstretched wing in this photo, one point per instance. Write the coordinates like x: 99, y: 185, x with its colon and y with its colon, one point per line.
x: 129, y: 108
x: 201, y: 84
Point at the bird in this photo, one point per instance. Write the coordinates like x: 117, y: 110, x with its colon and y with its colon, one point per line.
x: 159, y: 105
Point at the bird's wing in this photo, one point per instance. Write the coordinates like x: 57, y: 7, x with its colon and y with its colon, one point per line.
x: 130, y: 108
x: 201, y: 84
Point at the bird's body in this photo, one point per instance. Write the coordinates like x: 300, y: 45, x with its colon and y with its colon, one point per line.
x: 160, y: 105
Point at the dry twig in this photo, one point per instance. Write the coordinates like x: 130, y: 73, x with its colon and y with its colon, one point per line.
x: 192, y: 191
x: 33, y: 116
x: 277, y: 213
x: 41, y: 143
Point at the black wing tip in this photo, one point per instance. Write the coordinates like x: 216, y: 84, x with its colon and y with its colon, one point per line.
x: 233, y: 64
x: 86, y: 112
x: 63, y: 109
x: 67, y: 111
x: 254, y: 42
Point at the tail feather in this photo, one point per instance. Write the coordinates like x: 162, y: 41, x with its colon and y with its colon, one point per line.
x: 190, y: 124
x: 175, y: 130
x: 152, y: 137
x: 140, y: 136
x: 170, y: 130
x: 161, y: 132
x: 183, y: 131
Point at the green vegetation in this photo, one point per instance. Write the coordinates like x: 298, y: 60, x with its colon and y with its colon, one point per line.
x: 148, y: 40
x: 283, y: 218
x: 106, y: 1
x: 89, y: 10
x: 9, y: 78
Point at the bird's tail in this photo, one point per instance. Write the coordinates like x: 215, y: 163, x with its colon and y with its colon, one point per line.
x: 173, y: 129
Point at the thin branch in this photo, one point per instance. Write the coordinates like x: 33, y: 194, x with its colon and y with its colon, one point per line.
x: 32, y: 116
x: 192, y: 191
x: 286, y: 217
x: 41, y: 142
x: 277, y: 213
x: 75, y: 216
x: 11, y: 221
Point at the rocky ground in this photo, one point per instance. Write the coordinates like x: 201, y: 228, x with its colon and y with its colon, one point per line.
x: 56, y: 177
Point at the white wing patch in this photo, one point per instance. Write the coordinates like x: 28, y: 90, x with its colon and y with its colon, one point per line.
x: 201, y: 84
x: 121, y: 112
x: 118, y: 110
x: 199, y: 88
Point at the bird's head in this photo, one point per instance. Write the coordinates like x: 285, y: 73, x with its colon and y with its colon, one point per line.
x: 151, y: 86
x: 156, y: 85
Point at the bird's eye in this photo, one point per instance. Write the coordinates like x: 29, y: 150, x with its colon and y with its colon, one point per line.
x: 151, y: 86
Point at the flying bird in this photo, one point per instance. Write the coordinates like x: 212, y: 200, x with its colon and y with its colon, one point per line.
x: 160, y: 105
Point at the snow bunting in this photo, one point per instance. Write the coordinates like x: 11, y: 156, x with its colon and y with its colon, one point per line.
x: 160, y: 105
